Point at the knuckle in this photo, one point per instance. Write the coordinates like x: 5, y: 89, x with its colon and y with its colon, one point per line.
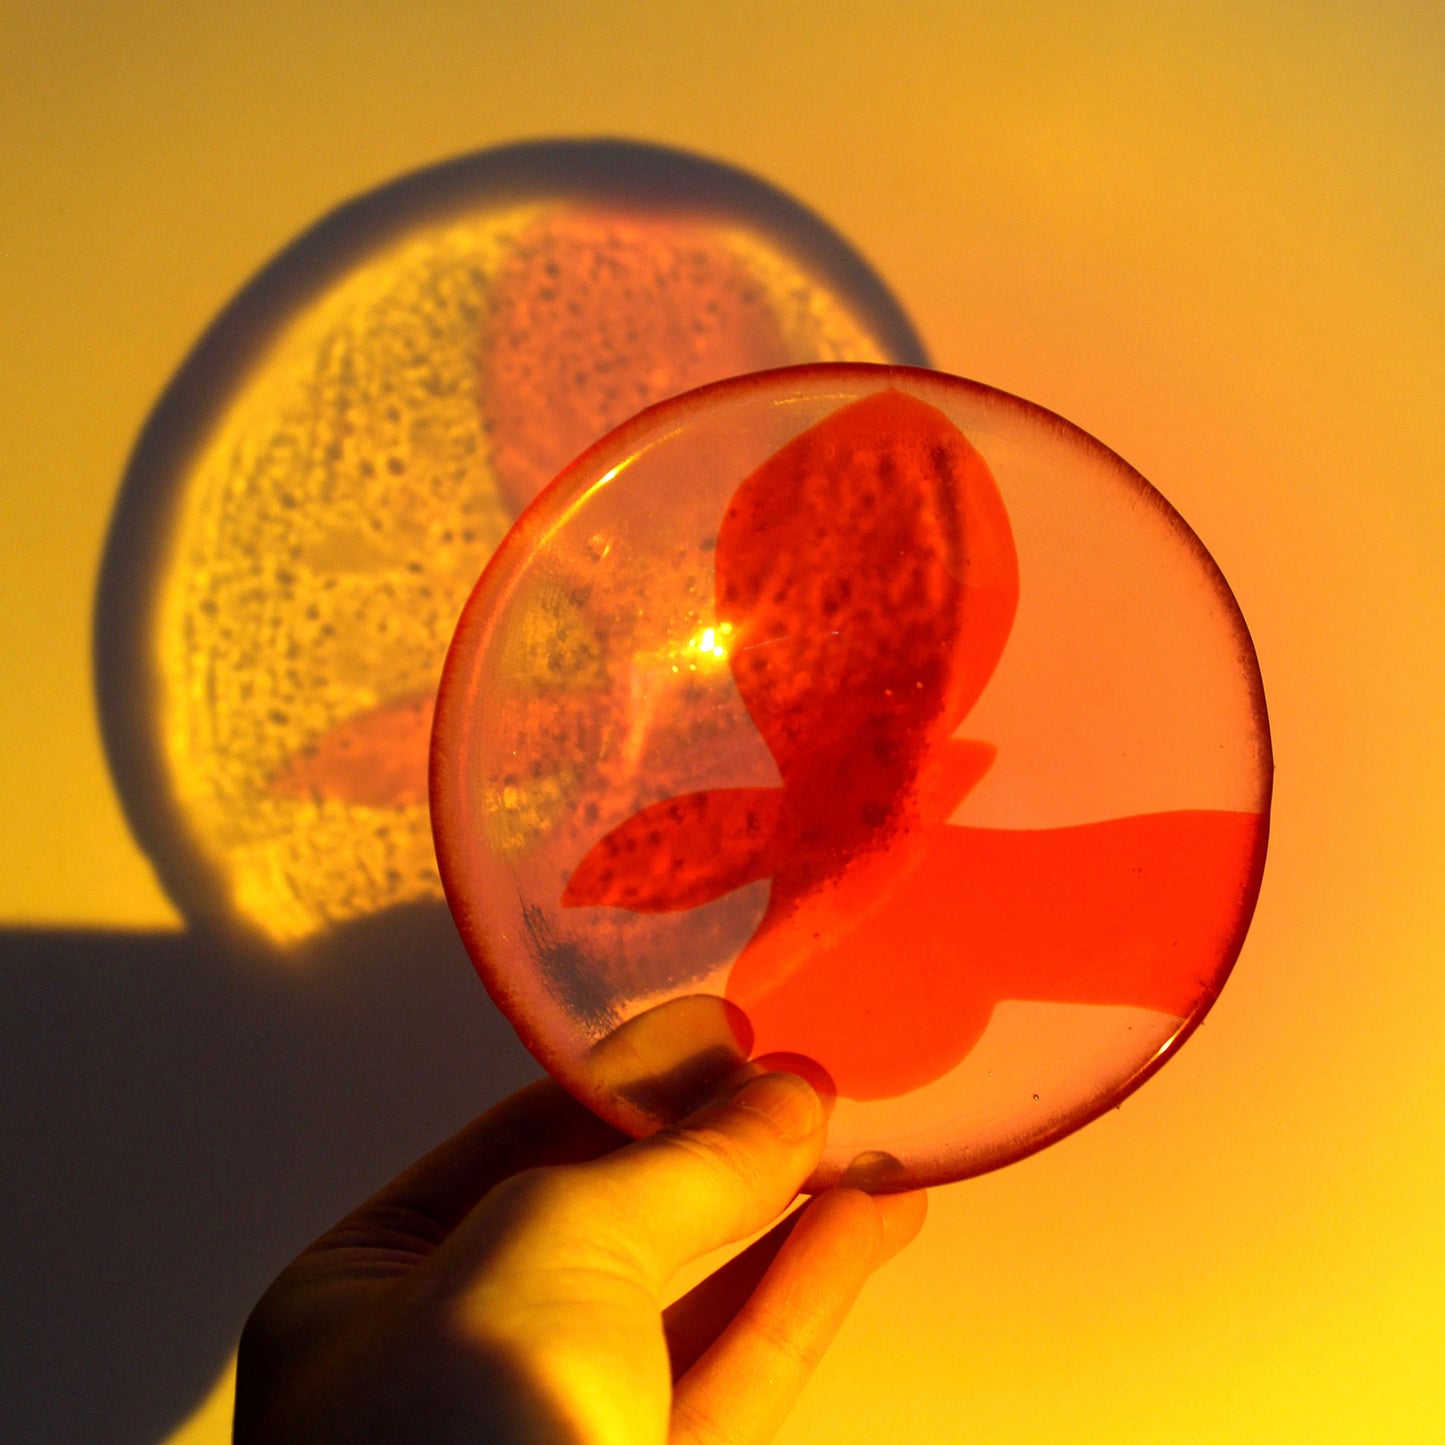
x: 721, y: 1153
x: 772, y: 1331
x: 544, y: 1194
x: 695, y: 1424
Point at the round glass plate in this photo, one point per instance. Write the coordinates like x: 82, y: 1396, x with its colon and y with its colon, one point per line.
x: 864, y: 720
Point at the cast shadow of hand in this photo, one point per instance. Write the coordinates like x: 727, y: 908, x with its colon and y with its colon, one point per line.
x: 182, y: 1118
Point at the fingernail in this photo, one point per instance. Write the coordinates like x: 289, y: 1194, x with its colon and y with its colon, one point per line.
x: 805, y: 1068
x: 789, y: 1101
x: 874, y: 1172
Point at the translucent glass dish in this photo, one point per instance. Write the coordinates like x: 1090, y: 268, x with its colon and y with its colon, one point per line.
x: 868, y: 721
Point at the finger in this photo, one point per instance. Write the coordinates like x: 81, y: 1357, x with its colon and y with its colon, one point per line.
x: 540, y: 1125
x: 639, y: 1214
x: 692, y: 1322
x: 902, y: 1217
x: 719, y: 1176
x: 744, y: 1385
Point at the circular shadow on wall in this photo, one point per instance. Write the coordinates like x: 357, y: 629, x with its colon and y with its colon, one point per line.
x: 326, y: 475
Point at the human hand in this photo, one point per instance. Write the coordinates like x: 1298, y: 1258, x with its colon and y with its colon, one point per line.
x: 509, y: 1287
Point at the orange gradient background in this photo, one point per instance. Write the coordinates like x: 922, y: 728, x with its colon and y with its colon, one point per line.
x: 1215, y: 241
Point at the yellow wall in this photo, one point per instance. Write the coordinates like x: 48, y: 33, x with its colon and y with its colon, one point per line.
x: 1212, y: 239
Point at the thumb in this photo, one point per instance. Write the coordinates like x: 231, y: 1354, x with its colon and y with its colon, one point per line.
x: 719, y: 1176
x: 649, y: 1208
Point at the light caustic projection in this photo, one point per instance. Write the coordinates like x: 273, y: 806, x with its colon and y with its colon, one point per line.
x: 922, y: 744
x: 329, y: 473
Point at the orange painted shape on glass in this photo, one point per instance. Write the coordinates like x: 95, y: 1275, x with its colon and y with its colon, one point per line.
x: 868, y: 573
x: 681, y: 853
x: 867, y: 579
